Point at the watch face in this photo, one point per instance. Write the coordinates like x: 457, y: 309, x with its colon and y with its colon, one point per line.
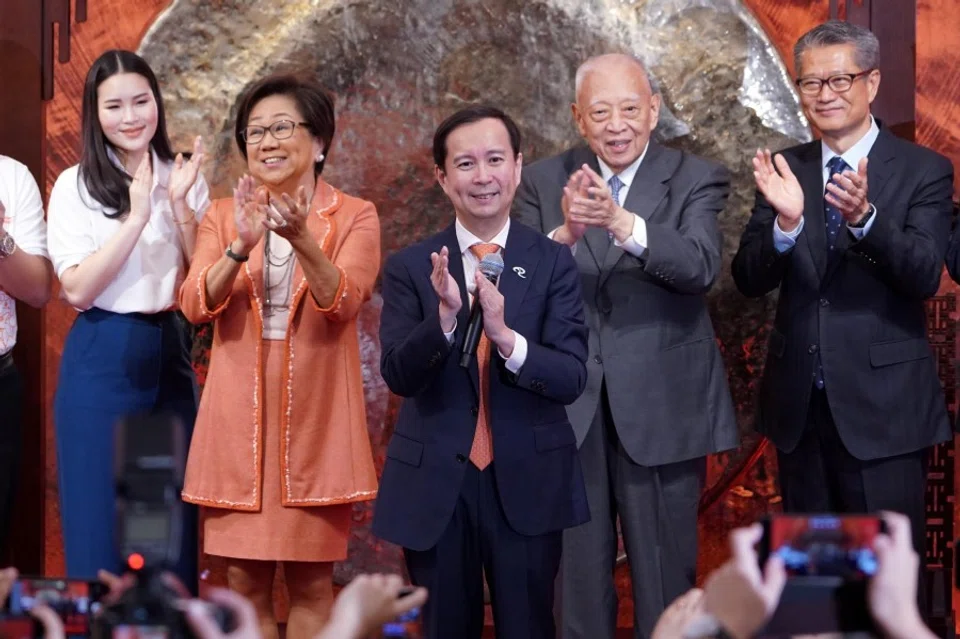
x: 6, y: 244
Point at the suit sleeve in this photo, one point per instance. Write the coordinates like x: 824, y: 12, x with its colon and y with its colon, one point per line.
x: 358, y: 261
x: 910, y: 257
x: 209, y: 249
x: 758, y: 267
x: 526, y: 204
x: 556, y: 360
x: 413, y: 347
x: 687, y: 258
x: 953, y: 255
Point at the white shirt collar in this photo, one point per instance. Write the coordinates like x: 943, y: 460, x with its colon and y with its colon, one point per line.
x: 856, y: 152
x: 626, y: 176
x: 161, y: 170
x: 466, y: 239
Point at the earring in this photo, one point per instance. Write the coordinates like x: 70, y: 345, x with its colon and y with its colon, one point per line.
x: 320, y: 157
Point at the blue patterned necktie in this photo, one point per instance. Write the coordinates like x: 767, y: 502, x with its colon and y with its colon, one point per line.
x: 832, y: 215
x: 834, y: 221
x: 615, y: 185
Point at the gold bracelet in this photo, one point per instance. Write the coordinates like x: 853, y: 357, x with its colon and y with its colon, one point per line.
x: 189, y: 220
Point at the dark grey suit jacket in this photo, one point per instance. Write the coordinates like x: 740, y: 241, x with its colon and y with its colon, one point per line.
x: 862, y: 311
x: 651, y: 337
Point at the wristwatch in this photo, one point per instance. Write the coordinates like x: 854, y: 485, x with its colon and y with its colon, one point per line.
x: 866, y: 218
x: 237, y: 258
x: 7, y: 245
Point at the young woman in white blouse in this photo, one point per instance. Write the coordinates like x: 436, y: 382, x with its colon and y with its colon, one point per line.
x: 121, y: 231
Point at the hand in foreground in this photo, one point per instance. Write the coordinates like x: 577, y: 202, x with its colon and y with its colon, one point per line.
x: 49, y: 620
x: 368, y: 602
x: 781, y: 189
x: 738, y: 595
x: 446, y: 288
x: 679, y: 617
x: 892, y: 594
x: 205, y: 626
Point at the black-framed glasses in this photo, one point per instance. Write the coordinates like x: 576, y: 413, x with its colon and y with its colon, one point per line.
x: 280, y: 130
x: 839, y: 83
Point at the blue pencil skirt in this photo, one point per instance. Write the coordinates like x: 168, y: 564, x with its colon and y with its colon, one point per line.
x: 114, y: 365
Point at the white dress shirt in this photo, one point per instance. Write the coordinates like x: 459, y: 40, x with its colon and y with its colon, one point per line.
x: 150, y: 279
x: 784, y: 241
x: 636, y: 242
x: 24, y: 221
x: 466, y: 239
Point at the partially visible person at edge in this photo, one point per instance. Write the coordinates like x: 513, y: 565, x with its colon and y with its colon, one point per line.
x: 121, y: 231
x: 281, y: 452
x: 25, y: 276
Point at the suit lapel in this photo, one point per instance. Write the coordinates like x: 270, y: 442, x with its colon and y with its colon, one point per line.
x: 810, y: 176
x: 646, y: 192
x: 879, y: 169
x: 520, y: 257
x: 448, y: 238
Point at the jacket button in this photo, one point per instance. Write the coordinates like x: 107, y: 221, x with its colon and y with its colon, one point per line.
x: 598, y: 359
x: 461, y: 458
x: 474, y: 411
x: 824, y: 302
x: 813, y: 349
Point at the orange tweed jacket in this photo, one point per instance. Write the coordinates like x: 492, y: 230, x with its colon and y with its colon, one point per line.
x: 325, y: 450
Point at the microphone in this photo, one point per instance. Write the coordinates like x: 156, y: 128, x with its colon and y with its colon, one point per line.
x: 490, y: 267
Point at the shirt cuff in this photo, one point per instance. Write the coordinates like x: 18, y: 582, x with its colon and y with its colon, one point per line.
x: 573, y: 249
x: 636, y: 242
x: 860, y: 232
x: 519, y: 355
x: 453, y: 330
x: 782, y: 240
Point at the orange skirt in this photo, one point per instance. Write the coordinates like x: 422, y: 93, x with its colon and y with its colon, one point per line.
x: 277, y: 532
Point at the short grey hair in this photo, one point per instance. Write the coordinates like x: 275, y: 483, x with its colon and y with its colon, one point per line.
x: 834, y: 32
x: 590, y: 64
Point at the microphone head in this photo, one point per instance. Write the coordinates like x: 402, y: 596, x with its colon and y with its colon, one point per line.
x: 491, y: 266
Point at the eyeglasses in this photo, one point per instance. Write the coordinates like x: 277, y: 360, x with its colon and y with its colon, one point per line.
x: 839, y: 83
x: 280, y: 130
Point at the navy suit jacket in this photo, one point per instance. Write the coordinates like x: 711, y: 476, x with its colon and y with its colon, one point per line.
x: 862, y: 311
x: 537, y: 469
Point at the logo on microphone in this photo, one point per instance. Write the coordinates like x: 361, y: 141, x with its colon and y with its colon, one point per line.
x: 520, y: 271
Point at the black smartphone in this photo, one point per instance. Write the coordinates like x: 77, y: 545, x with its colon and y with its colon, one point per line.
x: 75, y: 600
x: 826, y: 547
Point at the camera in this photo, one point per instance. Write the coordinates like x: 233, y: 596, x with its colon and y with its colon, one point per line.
x: 150, y: 452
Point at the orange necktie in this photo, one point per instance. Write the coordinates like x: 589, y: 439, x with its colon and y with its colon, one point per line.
x: 481, y: 454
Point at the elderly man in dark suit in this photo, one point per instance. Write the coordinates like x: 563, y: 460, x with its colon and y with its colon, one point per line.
x: 642, y: 220
x: 852, y: 230
x: 482, y: 473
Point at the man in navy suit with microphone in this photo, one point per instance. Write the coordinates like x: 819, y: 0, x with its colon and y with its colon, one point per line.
x: 482, y: 472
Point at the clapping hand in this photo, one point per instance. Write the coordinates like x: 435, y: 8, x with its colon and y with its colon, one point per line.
x: 248, y: 213
x: 446, y: 289
x: 184, y: 174
x: 780, y: 187
x: 848, y: 193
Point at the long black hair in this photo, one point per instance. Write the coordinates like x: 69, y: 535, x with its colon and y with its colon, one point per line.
x: 106, y: 183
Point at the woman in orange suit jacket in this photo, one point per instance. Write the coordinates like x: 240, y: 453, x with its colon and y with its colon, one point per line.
x: 280, y: 450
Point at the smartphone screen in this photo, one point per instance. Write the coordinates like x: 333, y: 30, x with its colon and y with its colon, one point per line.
x: 839, y: 546
x: 74, y: 600
x: 406, y: 626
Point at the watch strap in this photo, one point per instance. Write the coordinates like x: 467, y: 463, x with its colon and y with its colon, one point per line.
x: 236, y: 258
